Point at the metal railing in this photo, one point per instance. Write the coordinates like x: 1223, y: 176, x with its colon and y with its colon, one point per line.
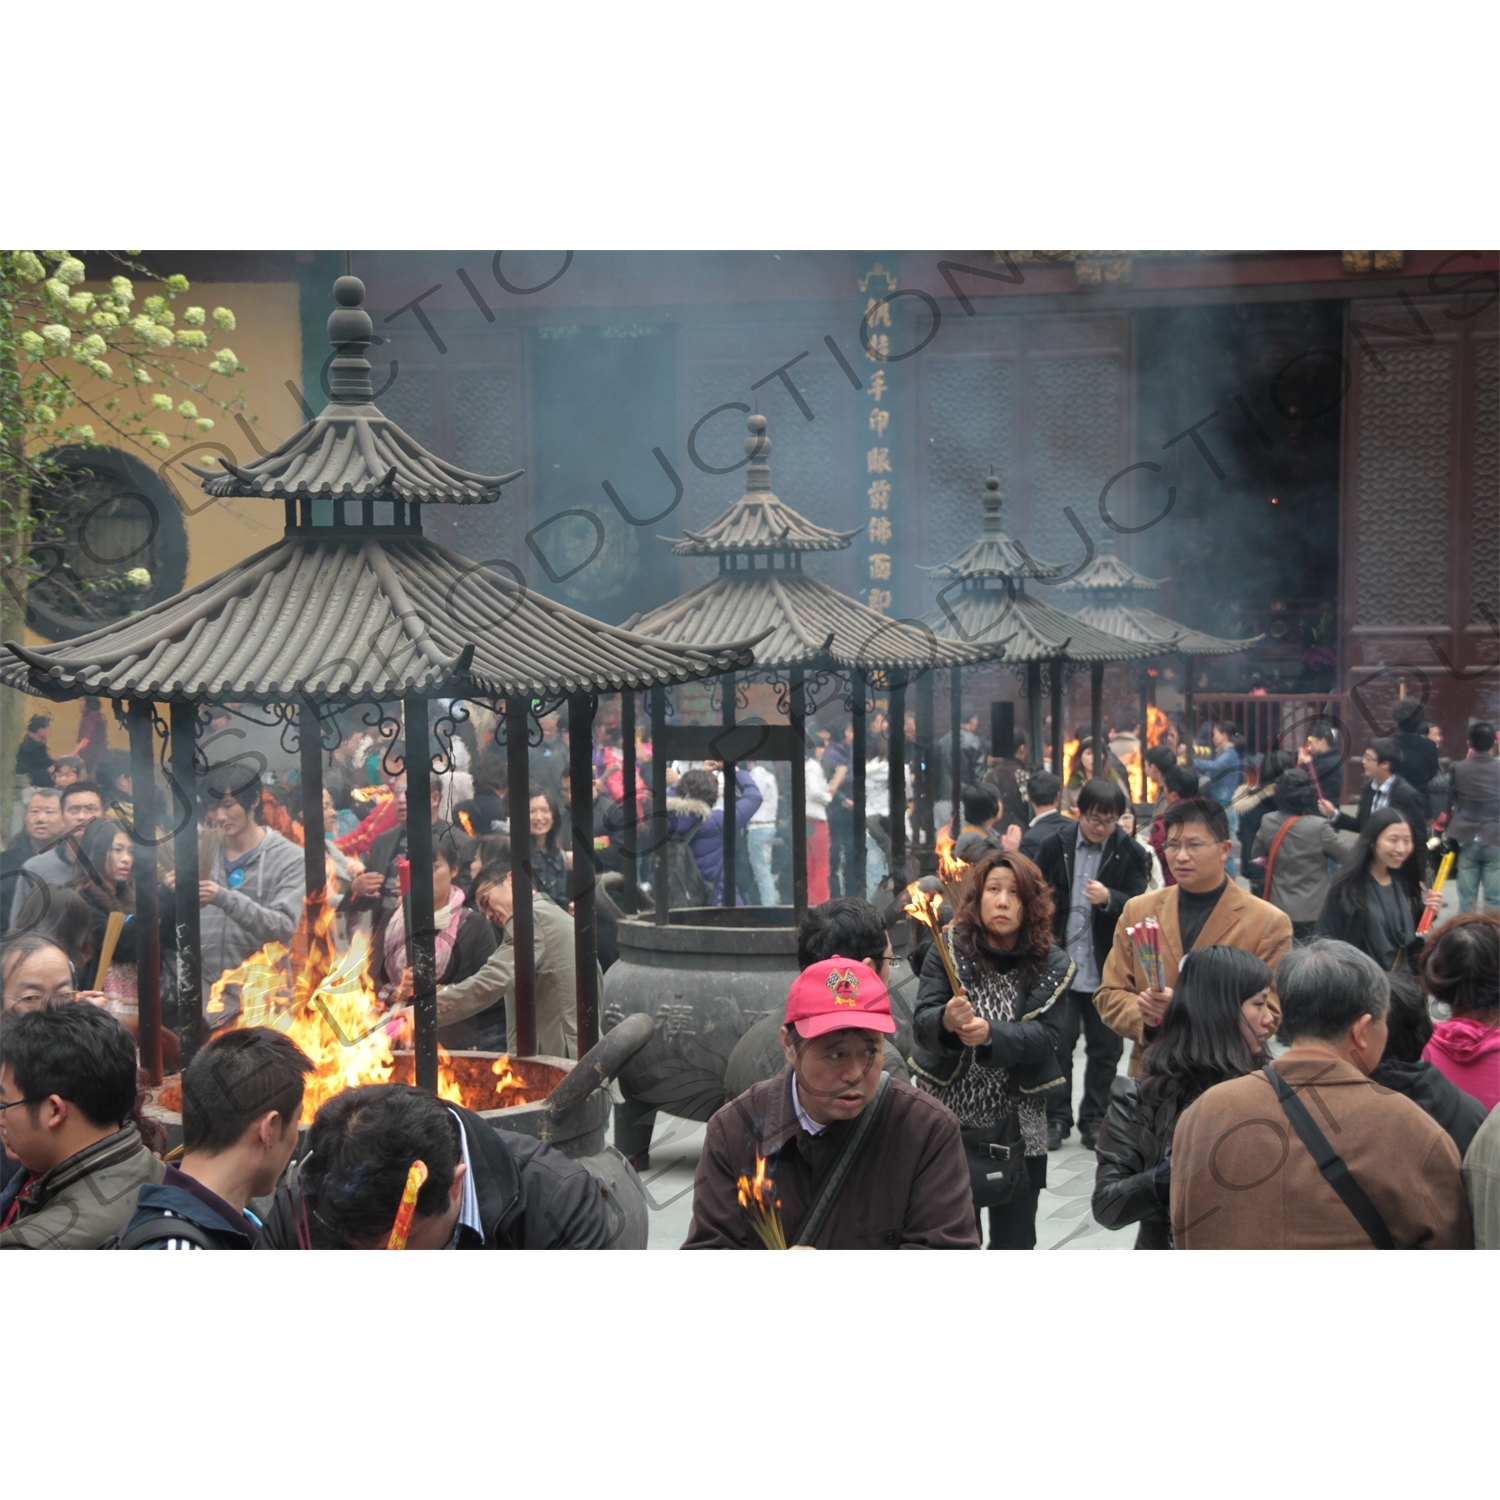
x: 1277, y: 721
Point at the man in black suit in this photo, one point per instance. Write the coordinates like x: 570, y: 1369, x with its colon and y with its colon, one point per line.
x: 1094, y: 868
x: 1384, y: 788
x: 1042, y: 791
x: 1416, y: 756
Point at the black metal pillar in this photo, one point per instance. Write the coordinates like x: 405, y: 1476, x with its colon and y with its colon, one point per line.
x: 314, y: 855
x: 1096, y: 719
x: 1059, y: 735
x: 148, y: 927
x: 797, y: 704
x: 926, y: 778
x: 898, y: 787
x: 956, y: 763
x: 731, y: 832
x: 185, y: 863
x: 522, y: 919
x: 629, y: 808
x: 1145, y: 706
x: 585, y: 877
x: 860, y: 752
x: 1034, y: 704
x: 1188, y: 706
x: 421, y: 927
x: 659, y: 891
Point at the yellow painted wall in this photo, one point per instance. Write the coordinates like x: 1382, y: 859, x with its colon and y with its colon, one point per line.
x: 268, y: 341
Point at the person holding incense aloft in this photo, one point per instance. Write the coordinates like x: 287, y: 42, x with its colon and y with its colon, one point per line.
x: 1094, y: 867
x: 833, y: 1154
x: 986, y: 1032
x: 1205, y: 907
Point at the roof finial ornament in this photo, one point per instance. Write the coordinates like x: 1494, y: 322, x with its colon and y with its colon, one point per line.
x: 993, y: 500
x: 351, y: 332
x: 758, y: 451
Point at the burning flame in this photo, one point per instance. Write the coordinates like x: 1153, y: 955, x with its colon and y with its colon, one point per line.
x: 325, y: 1001
x: 466, y: 822
x: 950, y: 867
x: 924, y: 906
x: 758, y: 1198
x: 1070, y: 753
x: 1156, y: 725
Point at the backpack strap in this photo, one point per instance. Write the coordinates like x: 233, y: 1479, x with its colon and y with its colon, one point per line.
x: 161, y: 1227
x: 818, y: 1215
x: 1271, y: 852
x: 1330, y: 1163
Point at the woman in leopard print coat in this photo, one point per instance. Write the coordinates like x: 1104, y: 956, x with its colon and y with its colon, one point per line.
x: 990, y: 1053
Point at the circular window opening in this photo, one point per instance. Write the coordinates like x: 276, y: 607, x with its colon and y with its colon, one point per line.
x: 107, y: 542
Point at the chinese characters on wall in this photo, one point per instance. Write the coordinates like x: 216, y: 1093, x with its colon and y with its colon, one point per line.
x: 877, y: 280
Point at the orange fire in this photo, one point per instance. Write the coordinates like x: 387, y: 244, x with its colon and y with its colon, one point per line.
x: 325, y: 1002
x: 950, y: 867
x: 1070, y: 752
x: 1156, y: 725
x: 758, y: 1198
x: 466, y: 822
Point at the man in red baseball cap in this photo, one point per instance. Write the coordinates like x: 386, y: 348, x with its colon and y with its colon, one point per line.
x: 855, y: 1159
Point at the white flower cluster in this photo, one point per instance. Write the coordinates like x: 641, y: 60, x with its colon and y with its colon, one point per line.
x: 194, y: 316
x: 224, y: 362
x: 58, y: 336
x: 224, y: 319
x: 70, y: 272
x: 161, y: 401
x: 191, y: 338
x: 28, y: 267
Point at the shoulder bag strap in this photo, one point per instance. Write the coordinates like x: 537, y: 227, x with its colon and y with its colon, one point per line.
x: 1271, y: 852
x: 1330, y: 1163
x: 166, y: 1227
x: 818, y: 1215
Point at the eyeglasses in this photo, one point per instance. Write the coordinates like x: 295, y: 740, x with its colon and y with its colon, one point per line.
x: 890, y: 961
x: 15, y: 1103
x: 1195, y: 847
x: 1100, y: 820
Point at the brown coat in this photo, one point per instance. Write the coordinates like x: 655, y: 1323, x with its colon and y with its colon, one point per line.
x: 909, y: 1189
x: 1237, y: 1133
x: 1240, y: 920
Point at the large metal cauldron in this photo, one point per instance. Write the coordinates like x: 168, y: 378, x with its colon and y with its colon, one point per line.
x: 569, y: 1110
x: 705, y: 978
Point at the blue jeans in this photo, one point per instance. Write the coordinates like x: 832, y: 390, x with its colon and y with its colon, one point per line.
x: 758, y: 838
x: 1232, y: 865
x: 1479, y: 863
x: 875, y: 867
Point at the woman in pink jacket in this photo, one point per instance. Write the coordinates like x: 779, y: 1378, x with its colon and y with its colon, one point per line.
x: 1461, y: 968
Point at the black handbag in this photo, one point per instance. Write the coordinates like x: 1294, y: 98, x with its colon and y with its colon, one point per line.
x: 997, y: 1161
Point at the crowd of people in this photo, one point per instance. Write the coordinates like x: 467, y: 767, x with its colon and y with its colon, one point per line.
x: 1297, y: 963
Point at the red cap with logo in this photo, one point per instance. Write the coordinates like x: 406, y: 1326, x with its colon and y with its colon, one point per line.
x: 837, y: 994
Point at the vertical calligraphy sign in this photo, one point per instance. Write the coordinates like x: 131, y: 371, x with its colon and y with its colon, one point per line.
x: 876, y: 279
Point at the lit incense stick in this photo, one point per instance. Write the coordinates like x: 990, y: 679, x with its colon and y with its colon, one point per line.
x: 1437, y: 885
x: 416, y: 1175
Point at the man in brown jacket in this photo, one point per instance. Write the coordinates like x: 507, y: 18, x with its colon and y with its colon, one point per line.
x: 907, y: 1185
x: 1242, y: 1177
x: 1203, y: 909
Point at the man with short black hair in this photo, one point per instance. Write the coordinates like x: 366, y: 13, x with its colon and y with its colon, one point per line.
x: 1383, y: 788
x: 1043, y: 791
x: 1416, y: 755
x: 1203, y: 908
x: 1475, y: 824
x: 1094, y: 867
x: 1322, y: 757
x: 1309, y: 1153
x: 33, y: 758
x: 483, y: 1189
x: 41, y: 828
x: 67, y: 1092
x: 859, y: 1161
x: 241, y: 1105
x: 80, y: 804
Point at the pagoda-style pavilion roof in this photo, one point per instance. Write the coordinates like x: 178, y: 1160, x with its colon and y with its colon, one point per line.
x: 1032, y: 629
x: 352, y: 609
x: 1134, y: 622
x: 345, y: 616
x: 1106, y: 569
x: 761, y: 593
x: 352, y: 450
x: 1109, y: 587
x: 994, y: 554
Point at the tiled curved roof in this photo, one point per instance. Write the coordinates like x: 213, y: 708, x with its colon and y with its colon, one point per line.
x: 354, y: 453
x: 758, y: 521
x: 1137, y: 624
x: 346, y: 616
x: 993, y: 554
x: 796, y: 621
x: 1106, y: 569
x: 1032, y: 629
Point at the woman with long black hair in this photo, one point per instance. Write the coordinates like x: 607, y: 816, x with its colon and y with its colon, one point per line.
x: 1376, y: 900
x: 990, y: 1052
x: 1215, y: 1029
x: 550, y: 862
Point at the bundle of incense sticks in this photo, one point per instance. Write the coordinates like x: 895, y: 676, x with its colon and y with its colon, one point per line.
x: 1444, y: 869
x: 416, y: 1175
x: 1146, y: 936
x: 758, y: 1199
